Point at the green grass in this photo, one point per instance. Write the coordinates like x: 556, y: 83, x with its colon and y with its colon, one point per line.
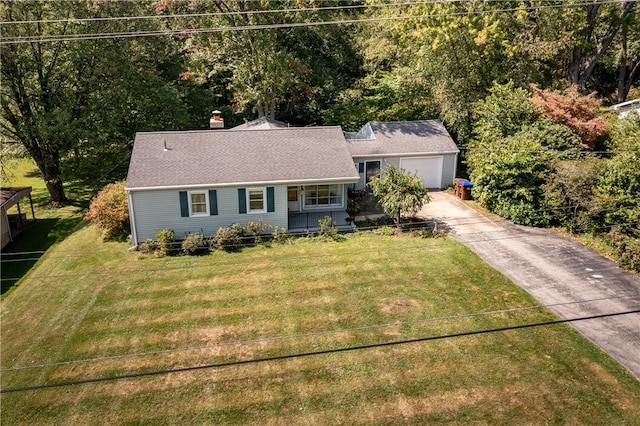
x: 87, y: 299
x: 52, y: 224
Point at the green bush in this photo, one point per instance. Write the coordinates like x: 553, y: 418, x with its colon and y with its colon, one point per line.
x: 626, y: 249
x: 165, y: 239
x: 257, y: 229
x: 279, y: 235
x: 109, y: 212
x: 385, y: 230
x: 193, y: 244
x: 327, y: 227
x: 229, y: 238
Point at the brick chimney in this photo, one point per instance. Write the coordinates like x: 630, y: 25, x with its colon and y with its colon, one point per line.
x: 216, y: 122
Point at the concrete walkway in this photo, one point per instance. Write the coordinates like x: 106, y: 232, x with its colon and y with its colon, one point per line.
x: 556, y: 271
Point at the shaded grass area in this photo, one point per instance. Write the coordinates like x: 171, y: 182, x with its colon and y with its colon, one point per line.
x: 52, y: 224
x: 87, y: 299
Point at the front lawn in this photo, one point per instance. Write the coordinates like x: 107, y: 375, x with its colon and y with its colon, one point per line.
x: 88, y: 304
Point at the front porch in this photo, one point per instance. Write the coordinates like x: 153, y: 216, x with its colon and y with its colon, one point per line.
x: 308, y: 221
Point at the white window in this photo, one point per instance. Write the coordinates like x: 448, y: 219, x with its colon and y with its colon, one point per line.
x: 257, y: 200
x: 199, y: 203
x: 322, y: 196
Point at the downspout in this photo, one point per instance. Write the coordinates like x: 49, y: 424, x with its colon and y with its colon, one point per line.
x: 455, y: 167
x: 132, y: 221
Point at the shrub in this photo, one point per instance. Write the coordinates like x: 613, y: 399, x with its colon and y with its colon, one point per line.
x: 626, y: 249
x: 149, y: 246
x: 193, y: 244
x: 327, y: 227
x: 256, y: 229
x: 385, y: 230
x: 229, y: 238
x: 279, y: 235
x: 165, y: 239
x: 109, y: 212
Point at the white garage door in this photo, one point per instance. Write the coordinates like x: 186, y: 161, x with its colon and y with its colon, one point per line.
x: 428, y: 168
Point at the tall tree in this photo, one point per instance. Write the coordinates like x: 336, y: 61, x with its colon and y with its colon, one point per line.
x: 75, y: 105
x: 270, y: 70
x: 600, y: 26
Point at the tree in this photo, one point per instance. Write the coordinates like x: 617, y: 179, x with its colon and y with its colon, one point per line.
x: 272, y: 71
x: 399, y: 192
x: 600, y: 26
x: 573, y: 110
x: 75, y: 105
x: 618, y: 188
x: 514, y: 151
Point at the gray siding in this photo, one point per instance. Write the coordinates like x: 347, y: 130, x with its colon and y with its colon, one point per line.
x: 448, y: 167
x: 160, y: 209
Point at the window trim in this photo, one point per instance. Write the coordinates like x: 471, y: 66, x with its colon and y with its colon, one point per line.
x: 262, y: 189
x: 190, y: 203
x: 306, y: 206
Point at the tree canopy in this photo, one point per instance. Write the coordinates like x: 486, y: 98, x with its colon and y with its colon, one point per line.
x: 76, y: 83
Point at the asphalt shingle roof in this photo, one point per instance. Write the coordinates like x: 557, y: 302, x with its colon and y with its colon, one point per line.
x: 405, y: 137
x: 224, y: 157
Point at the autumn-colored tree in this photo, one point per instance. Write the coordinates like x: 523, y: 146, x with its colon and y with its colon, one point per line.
x: 576, y: 111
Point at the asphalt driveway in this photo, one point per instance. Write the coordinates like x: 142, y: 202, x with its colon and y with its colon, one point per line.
x: 575, y: 280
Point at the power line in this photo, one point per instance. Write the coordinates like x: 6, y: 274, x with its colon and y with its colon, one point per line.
x: 309, y: 354
x: 131, y: 34
x: 251, y: 12
x: 319, y: 333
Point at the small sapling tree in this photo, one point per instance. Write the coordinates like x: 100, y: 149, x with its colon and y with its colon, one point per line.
x: 399, y: 192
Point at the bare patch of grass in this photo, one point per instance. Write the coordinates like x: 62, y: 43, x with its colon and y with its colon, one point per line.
x: 303, y: 297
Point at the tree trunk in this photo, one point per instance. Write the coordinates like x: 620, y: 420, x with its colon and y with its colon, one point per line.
x: 50, y: 169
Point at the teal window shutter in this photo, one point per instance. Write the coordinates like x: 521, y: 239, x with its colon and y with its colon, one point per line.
x: 184, y: 204
x: 360, y: 167
x: 271, y: 205
x: 213, y: 202
x: 242, y: 200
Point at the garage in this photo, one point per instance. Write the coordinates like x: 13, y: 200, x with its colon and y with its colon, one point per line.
x: 428, y: 168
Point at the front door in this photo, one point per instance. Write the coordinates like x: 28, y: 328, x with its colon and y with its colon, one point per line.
x: 292, y: 199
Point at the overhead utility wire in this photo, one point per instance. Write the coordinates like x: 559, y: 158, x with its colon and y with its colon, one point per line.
x: 212, y: 14
x: 308, y: 354
x: 251, y: 12
x: 130, y: 34
x: 318, y: 333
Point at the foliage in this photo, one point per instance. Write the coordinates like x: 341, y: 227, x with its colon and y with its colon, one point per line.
x: 165, y: 239
x: 385, y: 230
x: 399, y: 192
x: 572, y: 110
x: 569, y: 195
x: 327, y: 227
x: 619, y: 185
x: 193, y: 244
x: 280, y: 235
x: 257, y: 229
x: 626, y: 249
x: 75, y: 106
x: 109, y: 211
x: 230, y: 238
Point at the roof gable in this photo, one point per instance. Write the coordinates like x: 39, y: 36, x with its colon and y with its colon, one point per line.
x: 227, y: 157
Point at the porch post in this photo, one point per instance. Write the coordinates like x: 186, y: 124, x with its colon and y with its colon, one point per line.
x: 33, y: 213
x: 19, y: 215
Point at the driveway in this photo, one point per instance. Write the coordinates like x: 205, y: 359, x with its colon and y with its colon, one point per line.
x: 575, y: 280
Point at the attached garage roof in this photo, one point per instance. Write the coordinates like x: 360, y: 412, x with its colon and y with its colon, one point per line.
x: 227, y: 157
x: 424, y: 137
